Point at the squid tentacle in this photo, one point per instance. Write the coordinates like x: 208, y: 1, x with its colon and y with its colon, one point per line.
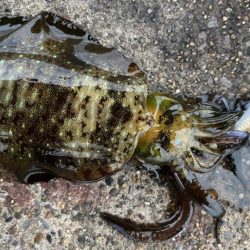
x: 200, y: 167
x: 225, y: 144
x: 206, y: 199
x: 225, y: 119
x: 155, y: 231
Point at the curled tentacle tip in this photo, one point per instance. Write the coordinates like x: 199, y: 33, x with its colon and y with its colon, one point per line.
x: 110, y: 218
x: 155, y: 231
x: 107, y: 217
x: 117, y: 223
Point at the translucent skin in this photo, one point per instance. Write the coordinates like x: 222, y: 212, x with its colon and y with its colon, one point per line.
x: 72, y: 108
x: 243, y: 124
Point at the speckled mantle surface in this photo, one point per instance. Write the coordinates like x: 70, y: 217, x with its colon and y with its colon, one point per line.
x: 185, y: 47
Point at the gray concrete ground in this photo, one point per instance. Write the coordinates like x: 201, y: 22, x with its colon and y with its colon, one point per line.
x: 185, y: 47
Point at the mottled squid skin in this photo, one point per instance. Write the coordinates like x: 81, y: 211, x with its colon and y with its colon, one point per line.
x: 67, y: 115
x: 74, y: 109
x: 69, y: 125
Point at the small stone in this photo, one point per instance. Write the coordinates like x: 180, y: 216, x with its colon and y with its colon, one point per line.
x: 241, y: 196
x: 227, y: 41
x: 15, y: 243
x: 109, y: 181
x: 150, y: 11
x: 142, y: 217
x: 243, y: 90
x: 210, y: 80
x: 114, y: 192
x: 27, y: 224
x: 87, y: 207
x: 228, y: 235
x: 130, y: 212
x: 102, y: 186
x: 17, y: 209
x: 229, y: 10
x: 226, y: 82
x: 49, y: 238
x: 74, y: 213
x: 233, y: 36
x: 29, y: 215
x: 39, y: 236
x: 18, y: 215
x: 76, y: 16
x: 9, y: 219
x: 240, y: 54
x: 45, y: 224
x: 13, y: 229
x: 202, y: 35
x: 212, y: 24
x: 120, y: 181
x: 81, y: 238
x: 239, y: 224
x: 224, y: 18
